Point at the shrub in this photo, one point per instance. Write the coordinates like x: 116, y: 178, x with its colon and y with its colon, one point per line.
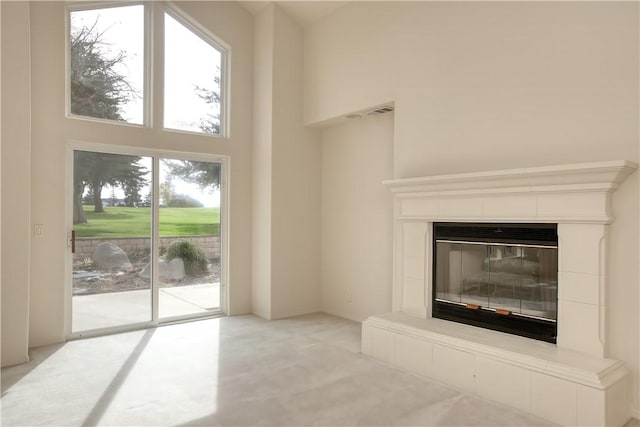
x: 195, y: 259
x: 140, y: 255
x: 184, y: 201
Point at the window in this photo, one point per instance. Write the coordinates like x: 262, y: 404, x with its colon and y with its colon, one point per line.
x: 108, y: 76
x: 192, y: 65
x: 106, y: 69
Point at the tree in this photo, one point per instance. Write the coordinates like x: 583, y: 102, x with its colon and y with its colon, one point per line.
x: 146, y: 201
x: 79, y: 185
x: 205, y: 174
x: 166, y: 192
x: 210, y: 123
x: 184, y: 201
x: 95, y: 170
x: 131, y: 187
x: 114, y: 199
x: 97, y: 89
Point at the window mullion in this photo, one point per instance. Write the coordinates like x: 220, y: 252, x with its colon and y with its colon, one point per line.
x: 155, y: 239
x: 156, y: 64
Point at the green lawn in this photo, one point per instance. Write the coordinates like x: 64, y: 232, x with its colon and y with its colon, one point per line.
x: 136, y: 222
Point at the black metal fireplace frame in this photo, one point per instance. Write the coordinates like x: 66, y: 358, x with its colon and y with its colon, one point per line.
x: 542, y: 234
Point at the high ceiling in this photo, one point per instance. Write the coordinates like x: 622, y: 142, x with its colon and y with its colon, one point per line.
x: 303, y: 12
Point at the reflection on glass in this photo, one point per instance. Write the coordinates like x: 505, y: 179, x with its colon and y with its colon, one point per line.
x: 189, y: 218
x: 519, y: 279
x: 107, y: 63
x: 112, y: 225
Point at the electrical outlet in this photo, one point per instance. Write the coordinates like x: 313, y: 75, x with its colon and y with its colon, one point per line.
x: 38, y: 230
x: 349, y: 296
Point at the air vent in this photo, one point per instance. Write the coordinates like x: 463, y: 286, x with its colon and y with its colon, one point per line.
x: 381, y: 110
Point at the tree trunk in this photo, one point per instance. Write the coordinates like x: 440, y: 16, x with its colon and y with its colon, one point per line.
x: 78, y: 212
x: 97, y: 197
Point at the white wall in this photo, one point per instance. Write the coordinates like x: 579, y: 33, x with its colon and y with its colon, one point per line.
x: 286, y: 218
x: 479, y: 85
x: 16, y: 180
x: 262, y: 169
x: 51, y: 130
x: 622, y: 278
x: 494, y: 85
x: 357, y: 217
x: 296, y: 181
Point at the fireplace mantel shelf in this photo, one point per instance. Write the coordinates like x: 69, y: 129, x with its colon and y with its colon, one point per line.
x: 559, y: 178
x: 576, y: 193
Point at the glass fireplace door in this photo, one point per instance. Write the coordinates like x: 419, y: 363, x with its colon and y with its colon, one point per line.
x: 508, y: 279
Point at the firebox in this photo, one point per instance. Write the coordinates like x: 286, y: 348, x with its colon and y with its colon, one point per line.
x: 497, y: 276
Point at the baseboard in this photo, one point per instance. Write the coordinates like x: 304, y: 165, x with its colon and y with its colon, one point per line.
x: 347, y: 316
x: 16, y: 361
x: 295, y: 313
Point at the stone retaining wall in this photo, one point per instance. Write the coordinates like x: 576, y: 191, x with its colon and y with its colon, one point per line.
x: 85, y: 246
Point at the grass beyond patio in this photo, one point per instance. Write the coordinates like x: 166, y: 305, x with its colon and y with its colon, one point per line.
x: 136, y: 222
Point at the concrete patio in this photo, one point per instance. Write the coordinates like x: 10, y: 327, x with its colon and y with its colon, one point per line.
x: 122, y: 308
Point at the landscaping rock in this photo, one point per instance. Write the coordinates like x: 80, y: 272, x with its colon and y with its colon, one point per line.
x: 108, y: 256
x: 172, y: 270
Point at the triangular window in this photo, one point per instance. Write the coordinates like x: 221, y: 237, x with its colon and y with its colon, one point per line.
x: 192, y: 74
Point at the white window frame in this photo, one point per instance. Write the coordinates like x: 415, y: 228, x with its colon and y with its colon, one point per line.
x: 147, y: 47
x: 225, y: 53
x: 153, y: 88
x: 225, y: 173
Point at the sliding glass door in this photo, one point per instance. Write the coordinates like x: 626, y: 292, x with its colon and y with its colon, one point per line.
x: 190, y: 247
x: 146, y: 241
x: 111, y: 240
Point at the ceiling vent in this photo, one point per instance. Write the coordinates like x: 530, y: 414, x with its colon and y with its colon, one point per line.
x: 380, y: 110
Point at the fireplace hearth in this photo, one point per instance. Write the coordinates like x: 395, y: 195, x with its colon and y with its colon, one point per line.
x: 497, y: 276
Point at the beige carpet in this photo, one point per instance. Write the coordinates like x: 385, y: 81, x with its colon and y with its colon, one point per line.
x: 233, y: 371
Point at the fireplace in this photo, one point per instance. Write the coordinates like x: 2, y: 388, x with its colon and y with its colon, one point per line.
x: 497, y: 276
x: 470, y: 228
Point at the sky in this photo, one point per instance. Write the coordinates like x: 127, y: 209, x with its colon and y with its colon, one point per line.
x: 189, y: 62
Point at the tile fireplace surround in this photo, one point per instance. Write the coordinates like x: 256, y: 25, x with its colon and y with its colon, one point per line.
x: 571, y: 382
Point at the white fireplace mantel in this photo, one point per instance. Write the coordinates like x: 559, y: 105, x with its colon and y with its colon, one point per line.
x: 577, y: 197
x: 566, y: 193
